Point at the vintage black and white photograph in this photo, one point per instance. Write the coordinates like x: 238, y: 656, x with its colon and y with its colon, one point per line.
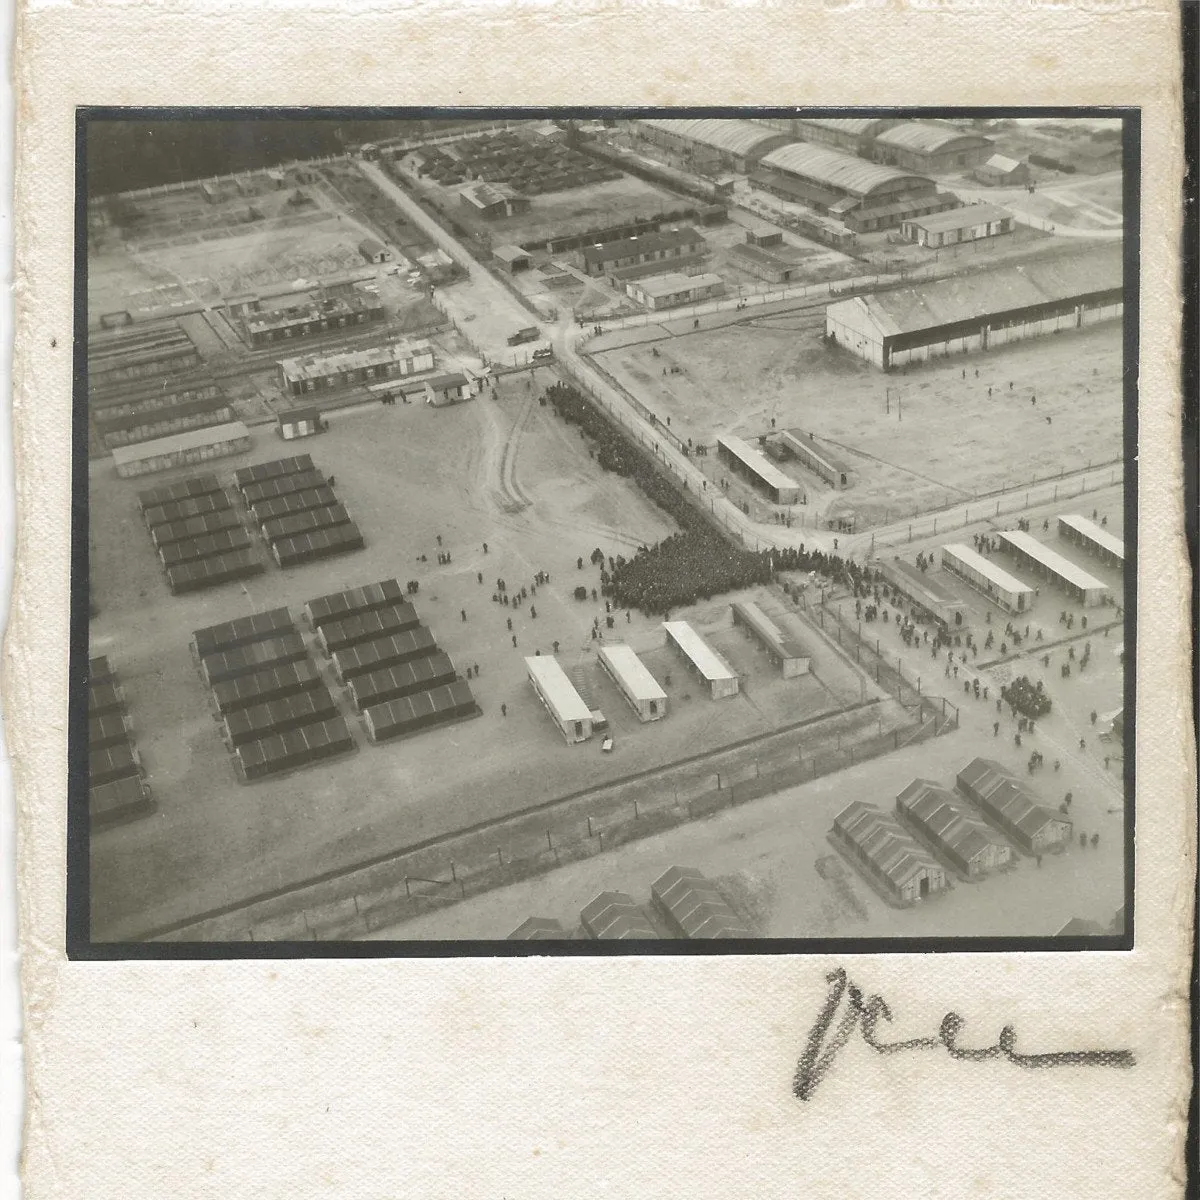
x: 584, y: 528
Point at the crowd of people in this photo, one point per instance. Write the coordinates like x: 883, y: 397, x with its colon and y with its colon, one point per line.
x: 1026, y: 697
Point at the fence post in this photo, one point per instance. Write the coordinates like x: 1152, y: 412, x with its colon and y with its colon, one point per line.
x: 549, y: 843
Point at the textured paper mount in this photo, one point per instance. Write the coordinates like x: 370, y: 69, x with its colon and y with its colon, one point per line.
x: 540, y: 1077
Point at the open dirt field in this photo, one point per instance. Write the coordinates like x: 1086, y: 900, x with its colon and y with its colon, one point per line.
x: 562, y: 213
x: 944, y: 440
x: 202, y: 266
x: 506, y: 472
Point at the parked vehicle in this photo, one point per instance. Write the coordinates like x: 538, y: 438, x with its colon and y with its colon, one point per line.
x: 529, y: 334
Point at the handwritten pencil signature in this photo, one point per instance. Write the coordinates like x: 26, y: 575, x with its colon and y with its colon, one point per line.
x: 865, y: 1013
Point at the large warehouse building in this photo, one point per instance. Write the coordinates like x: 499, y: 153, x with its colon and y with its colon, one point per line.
x: 854, y: 135
x: 979, y: 311
x: 865, y: 196
x: 708, y: 143
x: 932, y: 149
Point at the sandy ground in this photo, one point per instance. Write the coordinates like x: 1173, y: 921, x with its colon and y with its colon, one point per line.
x: 407, y: 474
x: 921, y: 440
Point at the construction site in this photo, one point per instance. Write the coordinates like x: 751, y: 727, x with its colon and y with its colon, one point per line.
x: 650, y: 569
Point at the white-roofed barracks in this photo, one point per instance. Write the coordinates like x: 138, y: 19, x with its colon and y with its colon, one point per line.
x: 634, y: 681
x: 703, y: 659
x: 755, y: 466
x: 554, y: 689
x: 1081, y: 586
x: 1003, y: 589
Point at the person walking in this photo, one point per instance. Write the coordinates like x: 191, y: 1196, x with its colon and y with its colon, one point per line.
x: 504, y: 710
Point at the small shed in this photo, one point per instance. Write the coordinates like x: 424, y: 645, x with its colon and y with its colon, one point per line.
x: 512, y: 258
x: 302, y: 422
x: 374, y: 251
x: 1002, y: 171
x: 440, y: 390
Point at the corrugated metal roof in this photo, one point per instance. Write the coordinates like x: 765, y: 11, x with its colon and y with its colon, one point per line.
x: 929, y: 139
x: 884, y: 842
x: 998, y: 790
x: 946, y: 820
x: 841, y: 171
x: 729, y: 137
x: 971, y: 297
x: 851, y: 126
x: 979, y: 773
x: 696, y: 905
x: 615, y: 915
